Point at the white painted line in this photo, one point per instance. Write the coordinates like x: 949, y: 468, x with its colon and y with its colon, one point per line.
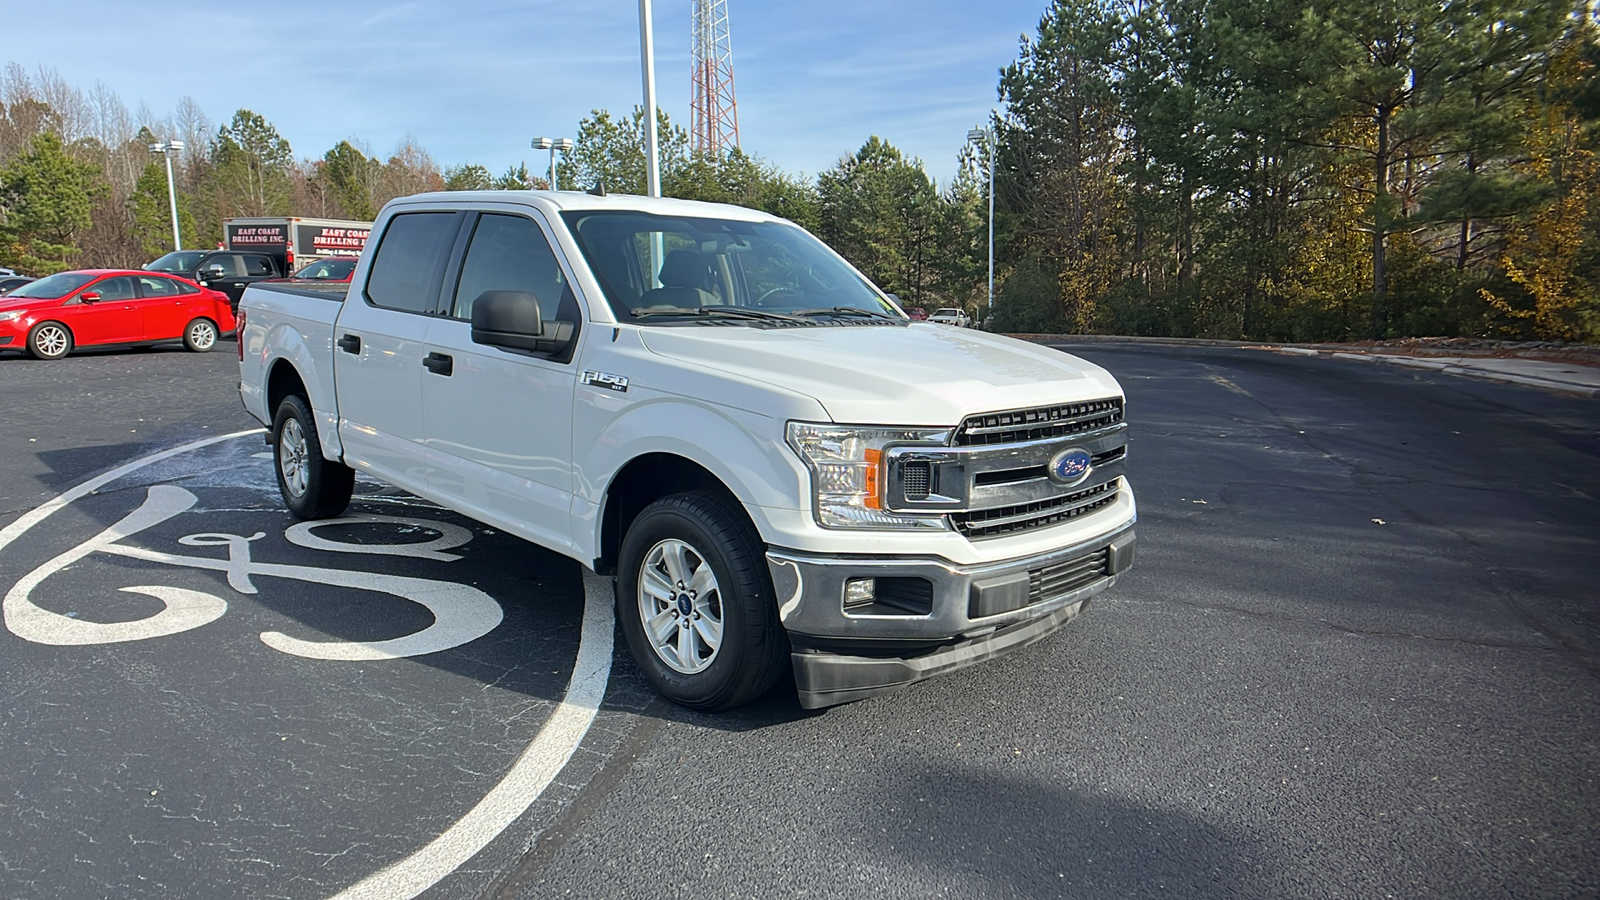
x: 16, y: 529
x: 529, y: 775
x: 533, y: 771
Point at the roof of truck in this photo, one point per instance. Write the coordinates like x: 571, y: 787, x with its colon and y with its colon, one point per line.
x: 560, y: 201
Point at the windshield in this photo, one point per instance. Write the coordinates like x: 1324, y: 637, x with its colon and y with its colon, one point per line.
x: 178, y: 261
x: 666, y: 269
x: 328, y: 270
x: 53, y: 287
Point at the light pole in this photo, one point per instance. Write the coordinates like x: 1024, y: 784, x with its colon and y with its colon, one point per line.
x: 552, y: 144
x: 986, y: 135
x: 647, y: 61
x: 166, y: 149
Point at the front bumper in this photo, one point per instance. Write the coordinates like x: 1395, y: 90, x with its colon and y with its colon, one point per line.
x: 964, y: 615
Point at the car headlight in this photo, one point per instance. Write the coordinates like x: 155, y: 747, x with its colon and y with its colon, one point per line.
x: 9, y: 315
x: 848, y: 476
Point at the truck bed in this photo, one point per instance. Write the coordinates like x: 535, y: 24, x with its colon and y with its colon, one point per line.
x: 333, y: 290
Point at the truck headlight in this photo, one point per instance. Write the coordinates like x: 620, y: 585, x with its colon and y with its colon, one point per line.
x: 848, y: 476
x: 12, y: 314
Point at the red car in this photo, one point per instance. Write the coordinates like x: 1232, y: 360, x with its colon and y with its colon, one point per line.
x: 93, y: 307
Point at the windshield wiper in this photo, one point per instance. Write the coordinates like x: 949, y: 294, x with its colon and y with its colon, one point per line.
x: 848, y: 311
x: 718, y: 312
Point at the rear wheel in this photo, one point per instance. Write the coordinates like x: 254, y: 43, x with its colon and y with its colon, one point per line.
x: 313, y: 487
x: 200, y: 335
x: 49, y: 340
x: 695, y: 602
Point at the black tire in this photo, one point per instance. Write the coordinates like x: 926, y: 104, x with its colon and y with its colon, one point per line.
x: 50, y: 340
x: 200, y: 335
x: 312, y: 487
x: 753, y: 649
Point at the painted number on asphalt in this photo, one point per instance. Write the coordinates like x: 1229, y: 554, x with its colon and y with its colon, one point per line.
x: 461, y: 613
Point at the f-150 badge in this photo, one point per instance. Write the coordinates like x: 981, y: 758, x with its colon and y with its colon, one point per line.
x: 607, y: 381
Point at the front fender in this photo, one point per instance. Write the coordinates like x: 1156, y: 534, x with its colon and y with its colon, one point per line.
x: 744, y: 450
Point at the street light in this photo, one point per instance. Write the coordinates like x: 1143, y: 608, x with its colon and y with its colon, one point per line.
x: 166, y: 149
x: 647, y: 63
x: 986, y: 135
x: 552, y: 144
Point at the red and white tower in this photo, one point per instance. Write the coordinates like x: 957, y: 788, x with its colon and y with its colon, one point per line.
x: 715, y: 121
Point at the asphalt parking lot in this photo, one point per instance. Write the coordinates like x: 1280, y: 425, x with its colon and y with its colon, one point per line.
x: 1357, y: 657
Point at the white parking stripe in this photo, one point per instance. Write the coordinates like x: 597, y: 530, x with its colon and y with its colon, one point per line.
x: 529, y: 776
x: 16, y: 529
x: 533, y: 771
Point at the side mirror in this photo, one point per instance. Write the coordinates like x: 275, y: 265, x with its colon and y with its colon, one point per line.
x: 511, y: 320
x: 89, y: 297
x: 211, y: 272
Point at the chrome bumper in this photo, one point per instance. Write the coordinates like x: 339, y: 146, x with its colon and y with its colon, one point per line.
x: 972, y: 613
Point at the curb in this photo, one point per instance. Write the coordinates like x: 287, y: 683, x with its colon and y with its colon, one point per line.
x: 1565, y: 387
x: 1411, y: 362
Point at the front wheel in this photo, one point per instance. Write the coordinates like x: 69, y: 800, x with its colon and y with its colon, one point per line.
x: 200, y: 335
x: 695, y: 602
x: 49, y: 340
x: 313, y: 487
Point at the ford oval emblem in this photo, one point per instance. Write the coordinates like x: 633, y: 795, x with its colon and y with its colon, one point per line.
x: 1071, y: 466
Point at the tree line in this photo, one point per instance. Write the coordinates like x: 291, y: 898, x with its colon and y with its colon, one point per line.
x: 1274, y: 170
x: 1252, y: 169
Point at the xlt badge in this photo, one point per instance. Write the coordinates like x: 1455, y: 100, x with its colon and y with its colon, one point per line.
x: 609, y: 382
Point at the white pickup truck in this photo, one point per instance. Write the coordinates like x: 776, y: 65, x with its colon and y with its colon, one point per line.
x: 782, y: 470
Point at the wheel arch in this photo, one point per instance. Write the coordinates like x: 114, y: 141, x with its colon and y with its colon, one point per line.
x: 277, y: 362
x: 284, y: 379
x: 644, y: 480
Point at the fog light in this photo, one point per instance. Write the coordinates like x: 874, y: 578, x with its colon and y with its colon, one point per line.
x: 860, y: 592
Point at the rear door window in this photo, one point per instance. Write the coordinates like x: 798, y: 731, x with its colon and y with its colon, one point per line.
x: 409, y: 261
x: 156, y: 286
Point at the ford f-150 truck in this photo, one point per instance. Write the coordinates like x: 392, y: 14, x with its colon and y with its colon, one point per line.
x: 781, y: 470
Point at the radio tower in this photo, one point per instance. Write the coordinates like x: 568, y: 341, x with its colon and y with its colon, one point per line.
x: 715, y: 119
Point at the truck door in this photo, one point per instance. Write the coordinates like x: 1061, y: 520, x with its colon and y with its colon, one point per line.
x: 379, y: 348
x: 240, y: 269
x: 216, y: 270
x: 499, y: 423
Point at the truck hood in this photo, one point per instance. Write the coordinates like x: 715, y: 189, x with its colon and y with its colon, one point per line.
x: 919, y: 374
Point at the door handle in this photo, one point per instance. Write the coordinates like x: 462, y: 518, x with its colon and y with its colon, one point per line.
x: 439, y: 364
x: 350, y: 343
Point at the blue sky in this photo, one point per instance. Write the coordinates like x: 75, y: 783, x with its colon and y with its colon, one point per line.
x: 474, y: 80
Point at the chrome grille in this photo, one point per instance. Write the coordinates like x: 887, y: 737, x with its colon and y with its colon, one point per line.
x: 1003, y: 520
x: 1040, y: 422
